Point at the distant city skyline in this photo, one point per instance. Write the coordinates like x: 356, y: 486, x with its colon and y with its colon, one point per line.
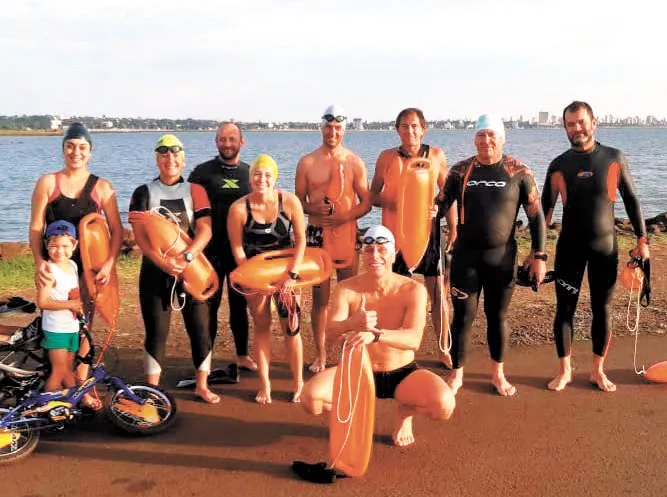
x: 287, y: 60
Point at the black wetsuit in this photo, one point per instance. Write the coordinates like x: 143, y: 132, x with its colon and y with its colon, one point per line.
x: 224, y: 184
x: 587, y: 183
x: 155, y: 286
x: 430, y: 263
x: 72, y: 209
x: 484, y: 255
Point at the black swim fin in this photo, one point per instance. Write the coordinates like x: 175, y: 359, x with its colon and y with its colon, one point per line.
x: 318, y: 472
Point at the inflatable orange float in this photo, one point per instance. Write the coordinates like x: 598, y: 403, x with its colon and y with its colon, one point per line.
x: 416, y: 196
x: 166, y: 238
x: 352, y: 412
x: 340, y: 241
x: 657, y: 373
x: 95, y: 249
x: 264, y: 272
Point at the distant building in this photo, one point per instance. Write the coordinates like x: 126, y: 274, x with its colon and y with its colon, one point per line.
x: 56, y: 123
x: 357, y: 124
x: 543, y: 118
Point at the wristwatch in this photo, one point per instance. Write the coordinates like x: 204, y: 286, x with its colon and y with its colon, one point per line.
x: 293, y: 275
x: 188, y: 257
x: 541, y: 257
x: 377, y: 336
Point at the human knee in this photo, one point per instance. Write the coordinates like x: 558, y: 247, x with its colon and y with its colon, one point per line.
x: 311, y: 403
x: 444, y: 407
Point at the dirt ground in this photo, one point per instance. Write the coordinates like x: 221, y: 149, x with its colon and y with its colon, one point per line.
x: 579, y: 442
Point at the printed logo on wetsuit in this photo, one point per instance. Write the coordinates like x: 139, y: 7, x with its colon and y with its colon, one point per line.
x: 487, y: 183
x: 567, y: 286
x: 585, y: 174
x: 230, y: 183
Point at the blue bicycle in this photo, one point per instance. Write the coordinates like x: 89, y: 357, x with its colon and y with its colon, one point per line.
x: 137, y: 408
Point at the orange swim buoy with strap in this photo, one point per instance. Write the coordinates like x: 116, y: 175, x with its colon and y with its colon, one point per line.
x: 632, y: 275
x: 166, y: 238
x: 392, y: 180
x: 657, y: 373
x: 264, y: 272
x: 352, y: 412
x: 416, y: 196
x: 95, y: 250
x: 340, y: 242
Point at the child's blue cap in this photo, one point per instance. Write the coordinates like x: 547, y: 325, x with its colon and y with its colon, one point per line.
x: 59, y: 228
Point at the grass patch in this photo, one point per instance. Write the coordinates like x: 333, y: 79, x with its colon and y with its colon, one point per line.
x: 17, y: 273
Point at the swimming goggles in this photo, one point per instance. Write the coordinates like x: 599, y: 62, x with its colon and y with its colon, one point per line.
x: 380, y: 240
x: 330, y: 118
x: 174, y: 149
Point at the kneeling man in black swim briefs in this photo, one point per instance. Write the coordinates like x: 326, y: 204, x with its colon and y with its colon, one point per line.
x: 385, y: 312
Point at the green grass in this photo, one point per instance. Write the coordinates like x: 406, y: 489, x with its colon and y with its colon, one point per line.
x: 17, y: 273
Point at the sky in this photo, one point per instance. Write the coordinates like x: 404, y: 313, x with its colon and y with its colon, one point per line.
x: 286, y: 60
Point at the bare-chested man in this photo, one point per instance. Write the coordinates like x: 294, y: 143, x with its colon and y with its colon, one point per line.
x: 411, y: 126
x: 313, y: 174
x: 385, y: 312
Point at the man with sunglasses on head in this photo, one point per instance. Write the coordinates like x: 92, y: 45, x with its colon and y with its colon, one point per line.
x: 488, y: 189
x: 226, y: 179
x: 411, y: 126
x: 384, y: 311
x: 314, y: 172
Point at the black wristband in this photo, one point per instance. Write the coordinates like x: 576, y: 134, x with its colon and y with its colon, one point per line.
x: 293, y: 275
x: 541, y: 257
x: 377, y: 336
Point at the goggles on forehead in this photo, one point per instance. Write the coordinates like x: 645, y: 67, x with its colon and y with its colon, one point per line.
x: 174, y: 149
x: 380, y: 240
x: 330, y: 118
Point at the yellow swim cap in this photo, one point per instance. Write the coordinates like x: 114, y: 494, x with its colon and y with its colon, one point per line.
x: 169, y: 143
x: 265, y: 161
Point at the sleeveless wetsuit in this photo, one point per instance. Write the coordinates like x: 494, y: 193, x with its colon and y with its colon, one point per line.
x: 587, y: 183
x: 430, y: 263
x: 484, y: 255
x: 72, y: 209
x: 188, y: 202
x: 224, y: 185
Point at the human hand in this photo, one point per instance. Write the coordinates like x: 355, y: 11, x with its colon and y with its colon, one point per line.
x: 364, y: 320
x: 641, y: 250
x: 103, y: 275
x: 43, y: 274
x: 538, y: 268
x: 433, y: 212
x: 322, y: 209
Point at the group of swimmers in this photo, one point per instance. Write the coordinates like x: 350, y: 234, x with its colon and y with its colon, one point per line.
x: 233, y: 210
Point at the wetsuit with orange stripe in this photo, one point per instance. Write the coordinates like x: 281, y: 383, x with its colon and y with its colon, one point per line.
x: 587, y: 183
x: 484, y: 254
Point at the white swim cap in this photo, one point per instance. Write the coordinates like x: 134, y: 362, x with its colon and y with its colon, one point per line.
x: 491, y: 122
x: 335, y: 113
x: 382, y: 235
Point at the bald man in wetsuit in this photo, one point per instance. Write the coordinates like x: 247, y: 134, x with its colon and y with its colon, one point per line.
x: 488, y: 189
x: 587, y: 177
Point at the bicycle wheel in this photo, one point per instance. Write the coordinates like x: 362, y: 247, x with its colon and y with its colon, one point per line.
x: 16, y: 443
x: 157, y: 414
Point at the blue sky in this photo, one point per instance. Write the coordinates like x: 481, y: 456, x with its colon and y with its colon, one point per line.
x: 280, y: 60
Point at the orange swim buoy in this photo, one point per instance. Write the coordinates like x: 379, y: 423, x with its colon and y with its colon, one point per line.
x: 95, y: 249
x: 340, y: 241
x: 632, y: 275
x: 264, y: 272
x: 657, y: 373
x: 352, y: 412
x: 391, y: 183
x: 166, y: 238
x: 416, y: 196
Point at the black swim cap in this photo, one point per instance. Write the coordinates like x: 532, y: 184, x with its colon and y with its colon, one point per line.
x: 77, y: 130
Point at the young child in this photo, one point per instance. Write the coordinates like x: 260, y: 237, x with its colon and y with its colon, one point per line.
x: 60, y: 304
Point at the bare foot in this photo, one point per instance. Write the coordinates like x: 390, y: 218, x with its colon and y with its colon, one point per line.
x: 263, y: 397
x: 246, y: 362
x: 445, y: 359
x: 503, y: 387
x: 600, y: 380
x: 207, y: 396
x: 559, y: 383
x: 403, y: 435
x: 455, y: 380
x: 318, y: 365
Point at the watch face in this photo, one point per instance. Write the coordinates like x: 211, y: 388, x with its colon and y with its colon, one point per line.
x: 188, y: 256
